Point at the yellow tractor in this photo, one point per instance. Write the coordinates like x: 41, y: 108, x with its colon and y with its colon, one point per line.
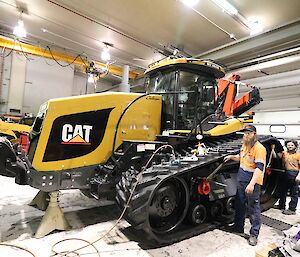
x: 138, y: 148
x: 13, y: 130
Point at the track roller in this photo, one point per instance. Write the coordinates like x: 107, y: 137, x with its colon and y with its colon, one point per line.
x: 229, y: 205
x: 216, y: 209
x: 197, y: 214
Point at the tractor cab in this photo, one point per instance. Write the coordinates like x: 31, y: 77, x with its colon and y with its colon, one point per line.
x: 188, y: 88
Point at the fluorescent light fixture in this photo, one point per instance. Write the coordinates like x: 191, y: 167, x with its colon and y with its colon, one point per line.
x: 227, y: 7
x: 190, y: 3
x: 255, y: 27
x: 105, y: 55
x: 20, y: 30
x: 91, y: 78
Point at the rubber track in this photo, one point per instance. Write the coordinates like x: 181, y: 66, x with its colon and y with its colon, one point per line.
x: 137, y: 211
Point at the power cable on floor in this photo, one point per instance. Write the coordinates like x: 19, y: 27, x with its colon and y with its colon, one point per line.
x: 139, y: 176
x: 73, y: 251
x: 18, y: 247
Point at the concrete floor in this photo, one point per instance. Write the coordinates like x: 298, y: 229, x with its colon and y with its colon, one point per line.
x: 89, y: 220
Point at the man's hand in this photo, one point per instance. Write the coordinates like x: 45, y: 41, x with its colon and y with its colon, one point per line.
x: 227, y: 158
x: 249, y: 189
x: 232, y: 157
x: 273, y: 153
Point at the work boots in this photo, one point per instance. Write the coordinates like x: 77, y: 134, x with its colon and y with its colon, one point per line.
x: 252, y: 240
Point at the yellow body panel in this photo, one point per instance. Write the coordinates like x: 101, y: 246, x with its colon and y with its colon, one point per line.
x: 8, y: 128
x: 171, y: 61
x: 179, y: 131
x: 140, y: 122
x: 231, y: 125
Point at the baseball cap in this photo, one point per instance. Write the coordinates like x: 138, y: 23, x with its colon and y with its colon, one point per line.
x: 249, y: 128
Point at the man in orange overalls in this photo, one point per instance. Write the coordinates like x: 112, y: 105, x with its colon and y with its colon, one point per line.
x: 291, y: 164
x: 252, y: 159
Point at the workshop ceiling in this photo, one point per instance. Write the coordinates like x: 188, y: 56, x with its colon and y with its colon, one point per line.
x: 143, y: 31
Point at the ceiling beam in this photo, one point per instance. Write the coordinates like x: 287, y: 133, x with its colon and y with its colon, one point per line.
x: 248, y: 44
x: 15, y: 45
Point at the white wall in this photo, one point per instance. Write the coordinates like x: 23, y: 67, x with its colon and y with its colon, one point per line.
x: 103, y: 84
x: 5, y: 81
x: 16, y: 85
x: 80, y: 86
x: 45, y: 80
x: 29, y: 82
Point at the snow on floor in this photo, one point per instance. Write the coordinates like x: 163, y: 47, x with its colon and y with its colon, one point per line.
x: 91, y: 219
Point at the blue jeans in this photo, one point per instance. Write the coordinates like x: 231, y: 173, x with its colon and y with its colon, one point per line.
x: 247, y: 204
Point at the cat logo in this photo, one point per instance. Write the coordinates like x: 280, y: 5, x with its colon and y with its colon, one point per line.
x: 76, y: 135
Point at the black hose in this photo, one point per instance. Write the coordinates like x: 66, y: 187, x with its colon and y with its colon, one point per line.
x: 211, y: 175
x: 121, y: 116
